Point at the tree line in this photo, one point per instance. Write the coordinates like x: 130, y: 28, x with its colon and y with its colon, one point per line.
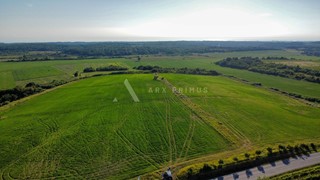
x: 249, y: 160
x: 195, y: 71
x: 110, y: 49
x: 79, y: 50
x: 31, y: 88
x: 256, y: 64
x: 106, y: 68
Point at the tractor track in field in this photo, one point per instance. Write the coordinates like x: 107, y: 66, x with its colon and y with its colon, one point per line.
x: 135, y: 149
x: 51, y: 127
x: 228, y: 133
x: 55, y: 135
x: 172, y: 141
x: 188, y: 140
x: 169, y: 127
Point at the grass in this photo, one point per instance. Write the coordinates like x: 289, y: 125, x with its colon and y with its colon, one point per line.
x: 66, y: 69
x: 302, y: 63
x: 305, y: 88
x: 262, y: 116
x: 34, y: 72
x: 76, y: 131
x: 45, y: 71
x: 6, y: 79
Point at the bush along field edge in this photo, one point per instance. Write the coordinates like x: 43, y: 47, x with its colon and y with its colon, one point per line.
x: 216, y: 168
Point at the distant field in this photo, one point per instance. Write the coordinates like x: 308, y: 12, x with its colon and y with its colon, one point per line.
x: 6, y: 79
x: 77, y: 131
x: 64, y: 69
x: 44, y: 71
x: 301, y: 63
x: 34, y: 72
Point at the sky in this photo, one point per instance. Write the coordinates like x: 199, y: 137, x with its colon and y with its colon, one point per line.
x: 158, y: 20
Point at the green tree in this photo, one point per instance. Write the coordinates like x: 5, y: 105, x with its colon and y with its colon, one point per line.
x: 258, y: 152
x: 247, y: 155
x: 76, y: 74
x: 235, y: 159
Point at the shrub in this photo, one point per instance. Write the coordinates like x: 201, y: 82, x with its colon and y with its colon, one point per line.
x: 247, y: 155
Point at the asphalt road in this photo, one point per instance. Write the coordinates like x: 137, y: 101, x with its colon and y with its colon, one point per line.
x: 275, y: 168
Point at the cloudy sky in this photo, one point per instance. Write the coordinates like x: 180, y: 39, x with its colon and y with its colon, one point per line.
x: 151, y: 20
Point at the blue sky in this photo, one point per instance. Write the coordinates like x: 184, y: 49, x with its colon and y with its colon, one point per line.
x: 147, y: 20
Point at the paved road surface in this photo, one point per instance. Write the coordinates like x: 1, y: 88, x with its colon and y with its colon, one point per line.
x: 276, y: 168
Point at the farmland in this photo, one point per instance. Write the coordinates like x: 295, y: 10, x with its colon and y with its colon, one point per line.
x: 263, y: 117
x: 171, y: 90
x: 78, y: 131
x: 64, y: 69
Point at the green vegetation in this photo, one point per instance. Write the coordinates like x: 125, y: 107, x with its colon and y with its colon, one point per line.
x: 220, y: 168
x: 107, y: 68
x: 255, y: 113
x: 77, y: 131
x: 157, y: 69
x: 67, y: 68
x: 257, y: 65
x: 21, y: 73
x: 34, y: 72
x: 71, y: 50
x: 6, y: 79
x: 9, y: 95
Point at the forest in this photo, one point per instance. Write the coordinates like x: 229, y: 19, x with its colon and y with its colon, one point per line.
x: 67, y: 50
x: 256, y: 64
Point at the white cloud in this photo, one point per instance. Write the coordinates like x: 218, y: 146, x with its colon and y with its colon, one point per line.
x: 265, y: 14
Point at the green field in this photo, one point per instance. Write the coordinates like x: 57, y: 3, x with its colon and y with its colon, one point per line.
x: 64, y: 69
x: 6, y: 79
x: 261, y: 116
x: 21, y: 73
x: 77, y: 131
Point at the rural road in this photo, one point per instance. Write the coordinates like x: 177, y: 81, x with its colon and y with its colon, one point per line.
x: 278, y: 167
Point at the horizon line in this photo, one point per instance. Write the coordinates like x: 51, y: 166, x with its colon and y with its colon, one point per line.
x: 141, y: 41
